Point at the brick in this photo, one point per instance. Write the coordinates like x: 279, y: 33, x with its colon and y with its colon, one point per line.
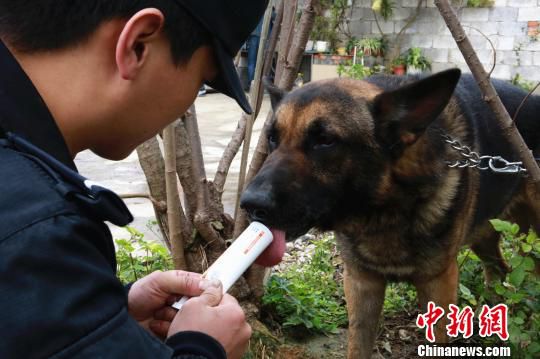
x: 529, y: 73
x: 441, y: 66
x: 528, y: 14
x: 479, y: 28
x: 503, y: 14
x: 525, y: 58
x: 360, y: 28
x: 356, y: 14
x: 409, y: 3
x: 422, y: 41
x: 431, y: 14
x: 502, y: 72
x: 412, y: 29
x: 363, y: 3
x: 436, y: 55
x: 522, y: 3
x: 485, y: 57
x: 479, y: 42
x: 401, y: 14
x: 508, y: 57
x: 511, y: 28
x: 502, y: 42
x: 454, y: 56
x: 444, y: 42
x: 475, y: 14
x: 387, y: 27
x: 536, y: 58
x: 531, y: 46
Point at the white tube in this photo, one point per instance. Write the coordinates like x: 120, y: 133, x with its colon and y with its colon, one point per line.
x: 237, y: 258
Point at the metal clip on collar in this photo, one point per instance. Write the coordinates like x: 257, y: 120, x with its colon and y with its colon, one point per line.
x: 500, y: 165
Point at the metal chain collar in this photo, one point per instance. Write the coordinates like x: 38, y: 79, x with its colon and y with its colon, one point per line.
x: 472, y: 159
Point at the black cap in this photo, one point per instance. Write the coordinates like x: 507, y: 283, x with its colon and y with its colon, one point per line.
x: 229, y: 22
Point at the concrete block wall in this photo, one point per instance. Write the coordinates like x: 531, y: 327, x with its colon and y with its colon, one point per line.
x: 506, y: 24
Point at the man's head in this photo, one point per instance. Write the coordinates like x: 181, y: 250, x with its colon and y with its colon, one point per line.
x: 114, y: 73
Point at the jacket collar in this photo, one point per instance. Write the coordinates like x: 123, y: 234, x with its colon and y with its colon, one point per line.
x: 23, y: 111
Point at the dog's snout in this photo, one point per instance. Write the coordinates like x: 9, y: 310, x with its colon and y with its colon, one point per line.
x: 258, y: 204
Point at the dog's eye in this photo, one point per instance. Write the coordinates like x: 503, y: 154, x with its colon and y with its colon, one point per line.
x: 272, y: 140
x: 324, y: 140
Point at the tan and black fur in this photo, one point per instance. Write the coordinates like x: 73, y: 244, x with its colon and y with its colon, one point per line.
x: 366, y: 159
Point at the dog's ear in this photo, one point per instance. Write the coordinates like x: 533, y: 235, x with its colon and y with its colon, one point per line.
x: 276, y: 94
x: 402, y: 115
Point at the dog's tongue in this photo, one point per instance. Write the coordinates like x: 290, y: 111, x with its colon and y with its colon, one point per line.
x: 273, y: 254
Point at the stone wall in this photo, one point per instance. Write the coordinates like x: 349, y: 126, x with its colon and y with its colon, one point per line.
x: 506, y: 24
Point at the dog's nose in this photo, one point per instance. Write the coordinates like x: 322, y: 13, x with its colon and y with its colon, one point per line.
x: 258, y: 204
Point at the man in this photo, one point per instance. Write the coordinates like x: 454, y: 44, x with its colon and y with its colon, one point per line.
x: 102, y: 75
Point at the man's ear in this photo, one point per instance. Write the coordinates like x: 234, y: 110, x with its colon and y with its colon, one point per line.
x: 276, y: 94
x: 132, y: 45
x: 402, y: 115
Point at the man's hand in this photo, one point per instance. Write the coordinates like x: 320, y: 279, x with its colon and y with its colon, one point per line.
x: 217, y: 315
x: 149, y: 298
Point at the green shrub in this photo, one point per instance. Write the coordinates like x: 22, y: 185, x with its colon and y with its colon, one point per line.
x: 308, y: 295
x: 356, y: 71
x: 136, y: 257
x: 480, y: 3
x: 520, y: 290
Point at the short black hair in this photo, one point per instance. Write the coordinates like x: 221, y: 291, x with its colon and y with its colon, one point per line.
x: 43, y: 25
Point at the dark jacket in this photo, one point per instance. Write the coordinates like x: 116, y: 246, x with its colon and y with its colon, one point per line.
x: 59, y: 295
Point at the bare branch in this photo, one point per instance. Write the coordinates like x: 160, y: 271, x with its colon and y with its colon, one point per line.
x: 254, y: 96
x: 153, y: 167
x: 175, y: 214
x: 298, y: 46
x: 490, y: 95
x: 239, y: 134
x: 285, y: 82
x: 184, y: 169
x: 287, y: 32
x: 160, y: 206
x: 523, y: 102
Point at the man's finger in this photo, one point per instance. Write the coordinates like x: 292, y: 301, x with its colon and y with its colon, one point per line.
x: 180, y: 283
x: 159, y: 328
x: 228, y: 299
x: 166, y: 314
x: 212, y: 292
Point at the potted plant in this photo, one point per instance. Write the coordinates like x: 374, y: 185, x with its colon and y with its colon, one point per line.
x: 398, y: 65
x: 416, y: 62
x: 372, y: 46
x: 351, y: 44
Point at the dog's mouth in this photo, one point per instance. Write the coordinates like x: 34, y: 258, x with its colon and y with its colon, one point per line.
x: 273, y: 254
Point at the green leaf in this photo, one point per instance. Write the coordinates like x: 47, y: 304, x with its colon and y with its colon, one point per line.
x: 514, y: 229
x: 517, y: 276
x: 499, y: 289
x: 501, y: 226
x: 534, y: 347
x: 526, y: 247
x: 515, y: 261
x: 464, y: 290
x: 531, y: 237
x: 528, y: 264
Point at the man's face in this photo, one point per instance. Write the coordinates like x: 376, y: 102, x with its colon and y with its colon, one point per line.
x: 158, y: 97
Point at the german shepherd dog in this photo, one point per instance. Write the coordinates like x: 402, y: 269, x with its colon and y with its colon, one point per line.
x: 368, y: 160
